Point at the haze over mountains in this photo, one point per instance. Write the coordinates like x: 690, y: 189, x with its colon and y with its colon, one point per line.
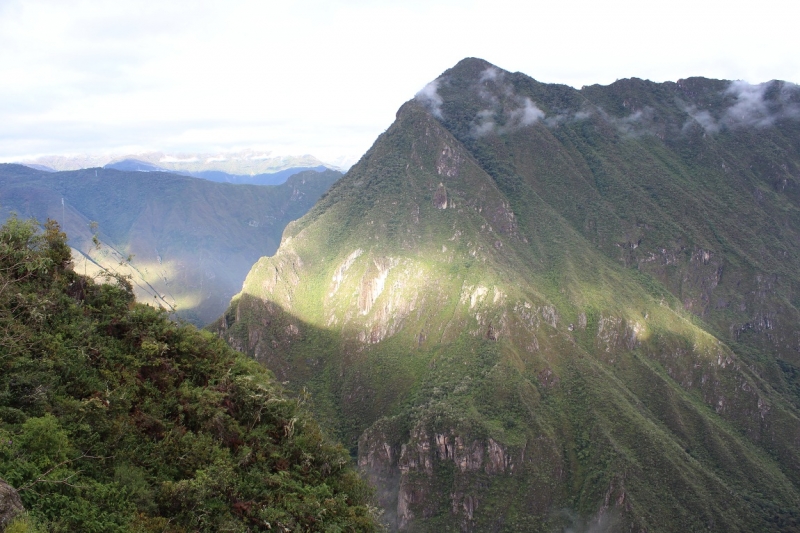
x: 269, y: 178
x: 535, y: 308
x: 192, y: 241
x: 242, y: 162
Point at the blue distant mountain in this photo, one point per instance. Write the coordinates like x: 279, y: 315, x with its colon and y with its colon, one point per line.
x: 273, y: 178
x: 134, y: 165
x: 45, y: 168
x: 193, y: 240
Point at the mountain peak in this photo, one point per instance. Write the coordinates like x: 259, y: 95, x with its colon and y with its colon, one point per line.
x: 470, y: 66
x: 514, y: 306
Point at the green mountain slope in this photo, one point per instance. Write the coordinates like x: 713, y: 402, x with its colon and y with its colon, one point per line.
x: 533, y: 308
x: 192, y: 241
x: 114, y: 418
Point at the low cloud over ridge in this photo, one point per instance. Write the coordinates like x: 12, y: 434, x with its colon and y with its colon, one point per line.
x: 755, y: 105
x: 500, y: 106
x: 429, y: 97
x: 497, y: 118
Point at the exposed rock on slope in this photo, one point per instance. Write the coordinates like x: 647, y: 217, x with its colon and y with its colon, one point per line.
x: 10, y: 504
x: 530, y: 307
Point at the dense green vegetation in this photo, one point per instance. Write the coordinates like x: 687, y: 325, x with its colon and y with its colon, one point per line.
x: 535, y: 308
x: 114, y: 418
x: 190, y: 241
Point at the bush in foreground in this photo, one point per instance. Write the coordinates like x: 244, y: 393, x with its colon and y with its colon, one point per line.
x: 114, y: 418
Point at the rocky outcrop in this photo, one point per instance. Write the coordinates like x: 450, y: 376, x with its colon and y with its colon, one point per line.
x: 338, y: 276
x: 448, y: 163
x: 615, y: 334
x: 10, y: 504
x: 373, y: 282
x: 440, y: 197
x: 405, y: 475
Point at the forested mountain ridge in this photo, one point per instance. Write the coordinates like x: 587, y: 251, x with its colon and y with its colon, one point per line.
x: 190, y: 241
x: 530, y: 307
x: 114, y: 418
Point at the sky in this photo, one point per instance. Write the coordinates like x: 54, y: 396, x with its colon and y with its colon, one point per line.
x: 326, y: 78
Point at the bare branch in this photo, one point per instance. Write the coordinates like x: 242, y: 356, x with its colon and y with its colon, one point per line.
x: 64, y: 481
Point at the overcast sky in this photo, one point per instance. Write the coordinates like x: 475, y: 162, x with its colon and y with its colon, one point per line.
x: 326, y: 78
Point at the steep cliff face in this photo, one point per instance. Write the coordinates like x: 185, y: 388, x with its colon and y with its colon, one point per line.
x: 535, y: 308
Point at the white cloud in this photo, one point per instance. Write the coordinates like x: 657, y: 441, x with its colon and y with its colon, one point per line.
x: 498, y: 96
x: 324, y: 77
x: 429, y: 97
x: 523, y: 116
x: 526, y: 115
x: 484, y: 123
x: 173, y: 159
x: 561, y: 118
x: 761, y: 105
x: 491, y: 74
x: 750, y: 108
x: 754, y: 105
x: 703, y: 118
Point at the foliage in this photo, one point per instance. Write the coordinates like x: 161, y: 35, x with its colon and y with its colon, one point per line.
x: 114, y: 418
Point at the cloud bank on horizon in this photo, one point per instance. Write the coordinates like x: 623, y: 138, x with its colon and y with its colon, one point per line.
x: 321, y: 78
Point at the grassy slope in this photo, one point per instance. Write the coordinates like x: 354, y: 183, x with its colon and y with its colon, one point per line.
x: 192, y: 240
x: 525, y: 367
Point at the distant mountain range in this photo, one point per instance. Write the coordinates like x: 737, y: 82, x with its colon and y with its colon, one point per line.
x: 192, y: 240
x: 535, y: 308
x: 271, y: 178
x: 235, y: 164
